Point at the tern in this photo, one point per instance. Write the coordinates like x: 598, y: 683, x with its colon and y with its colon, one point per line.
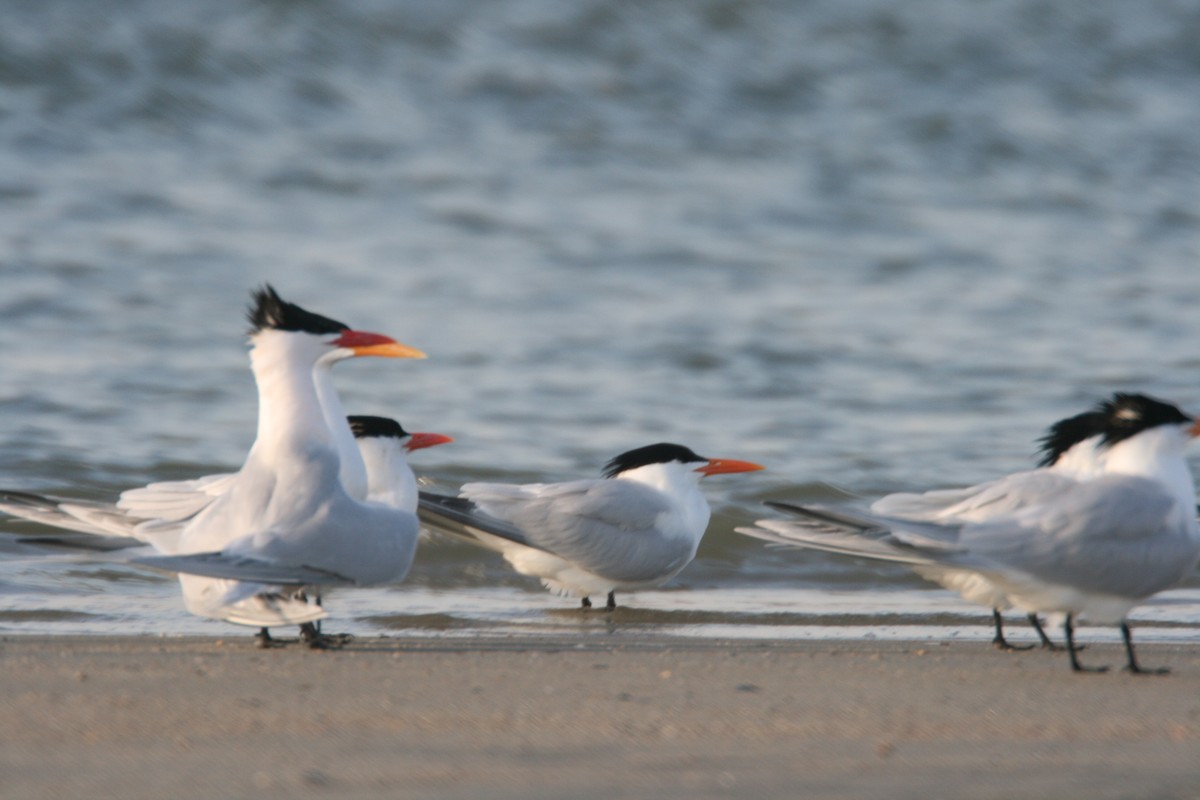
x: 636, y: 527
x: 163, y: 508
x: 1069, y: 447
x: 1106, y: 522
x: 285, y: 521
x: 383, y: 445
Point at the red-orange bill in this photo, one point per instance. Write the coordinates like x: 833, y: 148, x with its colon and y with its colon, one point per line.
x: 719, y: 466
x: 420, y: 441
x: 364, y: 343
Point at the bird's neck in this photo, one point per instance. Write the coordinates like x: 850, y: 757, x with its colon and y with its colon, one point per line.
x: 290, y: 418
x: 1081, y: 460
x: 391, y: 478
x: 681, y: 486
x: 1157, y: 455
x: 352, y: 472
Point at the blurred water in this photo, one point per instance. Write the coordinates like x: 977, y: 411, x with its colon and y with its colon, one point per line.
x: 871, y: 245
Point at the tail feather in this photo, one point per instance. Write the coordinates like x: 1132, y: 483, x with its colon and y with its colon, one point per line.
x: 462, y: 519
x: 910, y: 532
x: 790, y: 534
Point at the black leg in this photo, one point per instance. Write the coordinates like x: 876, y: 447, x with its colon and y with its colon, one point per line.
x: 611, y: 605
x: 587, y: 603
x: 263, y: 637
x: 1041, y: 632
x: 1132, y: 666
x: 1069, y: 630
x: 998, y: 641
x: 311, y: 635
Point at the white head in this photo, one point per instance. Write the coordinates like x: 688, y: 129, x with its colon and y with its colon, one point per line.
x: 272, y: 317
x: 676, y: 471
x: 1129, y: 434
x: 385, y: 446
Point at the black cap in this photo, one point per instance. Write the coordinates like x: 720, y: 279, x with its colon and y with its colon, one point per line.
x: 661, y: 453
x: 365, y: 427
x: 270, y: 311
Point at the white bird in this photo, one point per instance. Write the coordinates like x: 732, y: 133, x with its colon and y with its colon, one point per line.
x: 1069, y: 447
x: 286, y: 521
x: 382, y: 446
x: 1107, y: 523
x: 635, y: 528
x: 162, y: 509
x: 385, y: 445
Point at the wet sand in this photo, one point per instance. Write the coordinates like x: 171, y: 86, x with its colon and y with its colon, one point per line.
x: 539, y: 717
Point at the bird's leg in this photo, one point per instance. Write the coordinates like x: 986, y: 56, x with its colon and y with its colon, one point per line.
x: 586, y: 603
x: 1132, y: 666
x: 1069, y: 630
x: 998, y: 641
x: 312, y: 636
x: 264, y: 640
x: 611, y: 605
x: 1041, y: 632
x: 302, y: 596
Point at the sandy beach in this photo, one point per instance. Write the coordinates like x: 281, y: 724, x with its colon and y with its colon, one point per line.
x: 542, y: 717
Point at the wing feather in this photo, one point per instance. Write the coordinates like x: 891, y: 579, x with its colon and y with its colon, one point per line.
x: 243, y: 568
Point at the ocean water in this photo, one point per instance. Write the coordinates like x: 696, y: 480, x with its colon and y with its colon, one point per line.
x: 872, y: 246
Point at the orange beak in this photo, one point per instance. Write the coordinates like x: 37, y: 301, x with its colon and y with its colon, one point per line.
x: 375, y: 344
x: 717, y: 466
x: 1195, y: 429
x: 419, y: 441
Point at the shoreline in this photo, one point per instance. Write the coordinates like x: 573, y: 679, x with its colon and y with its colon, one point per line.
x: 515, y: 716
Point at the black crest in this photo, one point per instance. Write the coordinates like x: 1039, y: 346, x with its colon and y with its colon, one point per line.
x: 270, y: 311
x: 1127, y: 415
x: 661, y: 453
x: 1066, y: 433
x: 365, y: 427
x: 1116, y: 420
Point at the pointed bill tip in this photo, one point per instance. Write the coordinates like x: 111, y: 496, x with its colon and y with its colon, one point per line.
x: 419, y: 441
x: 719, y: 466
x: 364, y: 343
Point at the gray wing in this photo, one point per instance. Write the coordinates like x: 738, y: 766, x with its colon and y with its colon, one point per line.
x: 175, y: 501
x: 978, y: 503
x: 608, y: 527
x: 1115, y: 535
x: 70, y: 540
x: 241, y: 568
x: 106, y: 527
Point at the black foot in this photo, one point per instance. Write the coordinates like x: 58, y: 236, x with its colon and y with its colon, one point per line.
x: 1136, y: 670
x: 586, y: 603
x: 1077, y: 667
x: 311, y: 635
x: 264, y: 640
x: 1132, y: 666
x: 611, y: 605
x: 1047, y: 644
x: 1069, y: 630
x: 998, y: 641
